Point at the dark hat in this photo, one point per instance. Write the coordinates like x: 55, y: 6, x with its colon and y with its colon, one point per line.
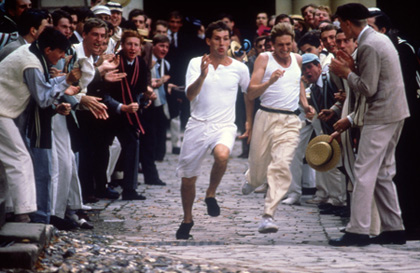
x: 352, y: 11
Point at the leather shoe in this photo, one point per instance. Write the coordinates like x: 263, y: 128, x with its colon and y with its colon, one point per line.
x: 332, y: 210
x: 176, y: 150
x: 213, y: 208
x: 132, y: 195
x: 183, y: 232
x: 109, y: 194
x: 156, y: 183
x: 350, y: 239
x: 396, y: 237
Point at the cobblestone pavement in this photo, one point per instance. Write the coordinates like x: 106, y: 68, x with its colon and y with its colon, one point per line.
x: 232, y: 240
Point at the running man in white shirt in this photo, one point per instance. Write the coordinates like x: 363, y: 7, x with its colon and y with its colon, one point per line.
x: 212, y: 82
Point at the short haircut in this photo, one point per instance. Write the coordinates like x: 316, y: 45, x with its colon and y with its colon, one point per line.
x: 92, y: 23
x: 226, y: 15
x: 130, y: 34
x: 58, y: 14
x: 135, y: 13
x: 160, y: 38
x: 302, y: 9
x: 53, y: 39
x: 281, y: 29
x: 84, y: 13
x: 383, y: 21
x: 329, y: 27
x: 175, y: 14
x: 70, y: 10
x: 219, y: 26
x: 31, y: 18
x: 162, y: 23
x: 282, y: 16
x: 309, y: 38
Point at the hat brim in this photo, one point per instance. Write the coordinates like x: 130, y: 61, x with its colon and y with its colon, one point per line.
x: 334, y: 159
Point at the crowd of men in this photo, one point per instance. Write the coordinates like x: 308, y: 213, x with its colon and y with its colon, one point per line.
x: 88, y: 95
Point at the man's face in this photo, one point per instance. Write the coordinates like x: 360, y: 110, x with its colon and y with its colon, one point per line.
x: 228, y: 22
x: 219, y: 42
x: 161, y: 29
x: 268, y: 45
x: 320, y: 15
x: 307, y: 48
x: 104, y: 17
x: 160, y: 50
x: 311, y: 72
x: 283, y: 46
x: 131, y: 48
x: 139, y: 21
x: 74, y: 23
x: 328, y: 40
x: 21, y: 6
x: 64, y: 27
x: 53, y: 56
x: 262, y: 19
x: 260, y: 46
x: 346, y: 27
x: 116, y: 18
x: 347, y: 45
x: 175, y: 23
x: 308, y: 15
x: 93, y: 40
x: 44, y: 23
x: 104, y: 46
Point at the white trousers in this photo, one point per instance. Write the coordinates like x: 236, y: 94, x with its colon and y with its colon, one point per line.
x: 65, y: 183
x: 18, y: 167
x: 273, y: 144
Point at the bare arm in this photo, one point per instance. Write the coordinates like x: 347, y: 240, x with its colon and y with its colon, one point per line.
x: 256, y: 86
x: 194, y: 89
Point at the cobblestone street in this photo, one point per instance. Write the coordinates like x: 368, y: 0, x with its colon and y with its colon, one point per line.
x: 228, y: 243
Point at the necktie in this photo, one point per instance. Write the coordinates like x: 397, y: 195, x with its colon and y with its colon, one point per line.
x: 173, y: 42
x: 161, y: 90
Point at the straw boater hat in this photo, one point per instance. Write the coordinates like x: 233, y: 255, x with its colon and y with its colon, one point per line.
x: 321, y: 155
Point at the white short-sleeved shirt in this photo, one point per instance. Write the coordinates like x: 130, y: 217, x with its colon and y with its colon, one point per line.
x: 217, y: 97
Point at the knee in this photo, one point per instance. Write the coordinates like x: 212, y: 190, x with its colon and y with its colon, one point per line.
x: 221, y: 155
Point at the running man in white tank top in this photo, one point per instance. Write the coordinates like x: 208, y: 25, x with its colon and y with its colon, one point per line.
x: 275, y: 132
x: 212, y: 84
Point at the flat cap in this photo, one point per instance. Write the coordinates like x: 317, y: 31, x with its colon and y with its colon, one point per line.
x: 352, y: 11
x: 100, y: 9
x: 114, y: 6
x: 309, y: 58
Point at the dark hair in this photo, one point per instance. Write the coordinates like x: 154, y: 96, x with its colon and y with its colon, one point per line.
x: 135, y: 13
x: 302, y: 9
x: 329, y: 27
x: 70, y: 10
x: 383, y: 21
x: 53, y: 39
x: 161, y: 22
x: 84, y: 13
x: 218, y: 25
x: 58, y: 14
x: 309, y: 38
x: 281, y: 17
x: 31, y: 18
x: 160, y: 38
x: 226, y: 15
x: 94, y: 23
x: 175, y: 14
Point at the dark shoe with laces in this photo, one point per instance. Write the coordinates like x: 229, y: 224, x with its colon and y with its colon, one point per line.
x: 396, y: 237
x: 183, y: 232
x: 351, y: 239
x: 109, y: 193
x: 213, y: 208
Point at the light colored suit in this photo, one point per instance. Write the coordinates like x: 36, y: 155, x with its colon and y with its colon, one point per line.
x: 379, y: 79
